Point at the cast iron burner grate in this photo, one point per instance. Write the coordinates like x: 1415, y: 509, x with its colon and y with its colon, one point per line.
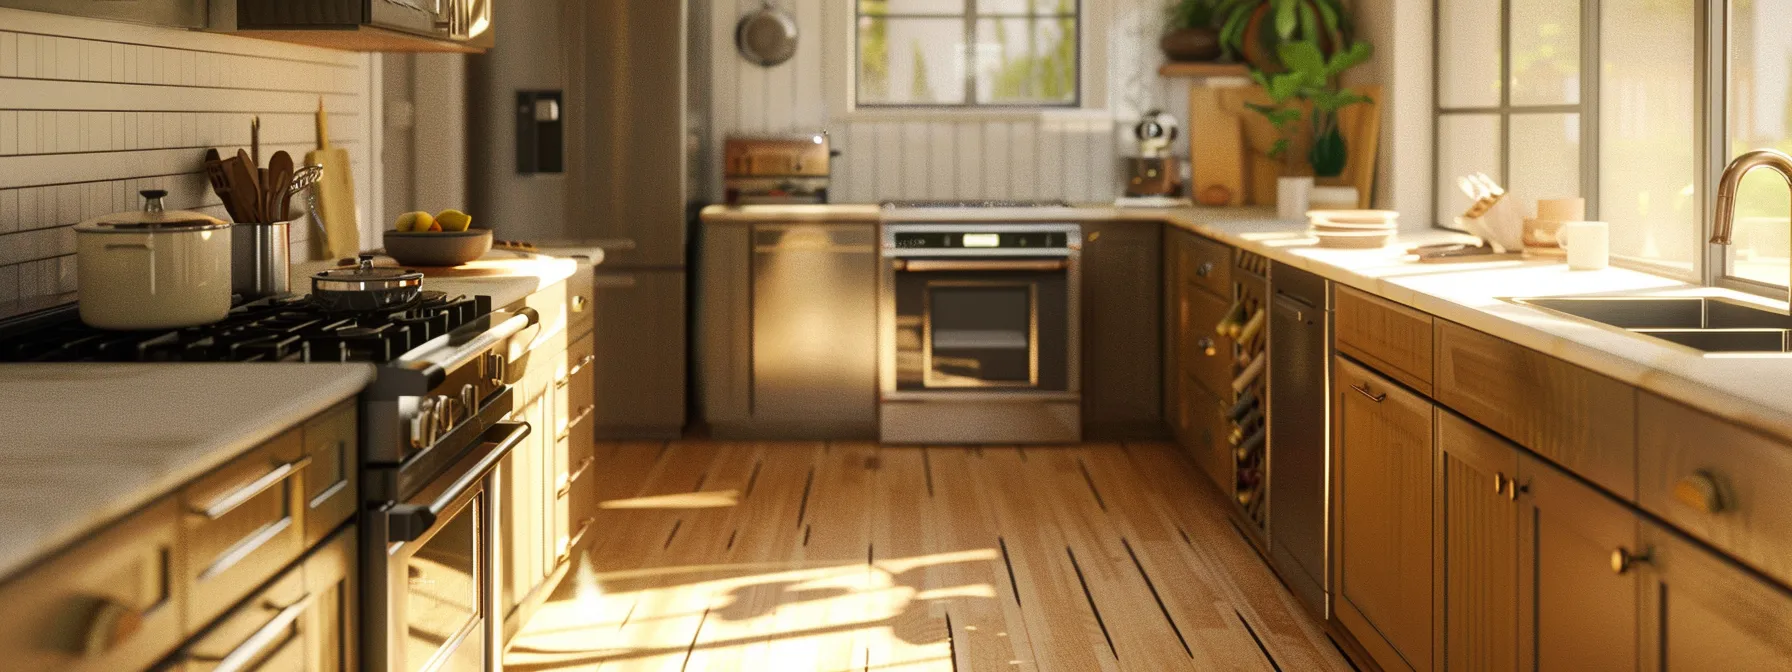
x: 281, y: 329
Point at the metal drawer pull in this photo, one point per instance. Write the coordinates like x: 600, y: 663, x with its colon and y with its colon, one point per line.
x: 1363, y: 390
x: 1701, y: 492
x: 577, y: 537
x: 578, y: 303
x: 925, y: 265
x: 222, y: 506
x: 252, y: 648
x: 1623, y: 559
x: 1205, y: 269
x: 1499, y: 482
x: 1207, y: 346
x: 566, y: 486
x: 241, y: 550
x: 576, y: 368
x: 112, y: 624
x: 583, y: 413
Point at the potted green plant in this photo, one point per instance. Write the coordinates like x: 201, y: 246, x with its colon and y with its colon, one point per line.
x: 1254, y: 30
x: 1191, y: 34
x: 1308, y: 89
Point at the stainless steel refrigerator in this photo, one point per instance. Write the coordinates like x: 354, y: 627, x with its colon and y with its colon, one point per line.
x: 579, y: 120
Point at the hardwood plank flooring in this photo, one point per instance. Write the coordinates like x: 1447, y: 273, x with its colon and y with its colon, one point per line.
x: 834, y: 556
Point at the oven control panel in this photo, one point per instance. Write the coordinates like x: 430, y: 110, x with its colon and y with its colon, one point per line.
x: 919, y: 240
x: 992, y: 239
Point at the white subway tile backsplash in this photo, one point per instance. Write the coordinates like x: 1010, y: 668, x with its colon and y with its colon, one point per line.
x: 91, y: 113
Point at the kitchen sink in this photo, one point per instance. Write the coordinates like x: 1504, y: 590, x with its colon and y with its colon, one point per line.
x: 1707, y: 324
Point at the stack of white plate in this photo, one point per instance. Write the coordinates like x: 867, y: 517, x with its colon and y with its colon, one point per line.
x: 1353, y: 229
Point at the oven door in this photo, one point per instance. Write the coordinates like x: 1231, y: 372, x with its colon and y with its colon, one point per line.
x: 982, y: 325
x: 432, y: 561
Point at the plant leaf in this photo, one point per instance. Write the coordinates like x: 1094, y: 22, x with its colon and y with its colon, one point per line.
x: 1285, y: 17
x: 1348, y: 58
x: 1309, y: 24
x: 1303, y: 56
x: 1279, y: 148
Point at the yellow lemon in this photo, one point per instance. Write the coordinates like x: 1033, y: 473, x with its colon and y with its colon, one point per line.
x: 454, y: 220
x: 414, y: 221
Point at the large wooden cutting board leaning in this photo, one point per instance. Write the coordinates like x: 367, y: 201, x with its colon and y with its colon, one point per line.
x: 335, y: 192
x: 1229, y: 143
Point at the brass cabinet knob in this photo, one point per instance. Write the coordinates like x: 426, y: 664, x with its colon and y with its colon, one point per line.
x: 1701, y: 492
x: 1499, y: 482
x: 1623, y: 559
x: 1205, y: 269
x: 1208, y: 347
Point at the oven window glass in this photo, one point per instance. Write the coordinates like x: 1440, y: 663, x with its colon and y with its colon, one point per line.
x: 443, y: 593
x: 982, y: 334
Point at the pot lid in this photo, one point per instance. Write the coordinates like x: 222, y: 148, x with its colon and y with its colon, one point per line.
x: 366, y: 272
x: 153, y: 217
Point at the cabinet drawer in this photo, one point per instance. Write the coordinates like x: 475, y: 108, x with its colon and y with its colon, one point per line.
x: 75, y: 612
x: 579, y: 309
x: 574, y: 386
x: 1719, y: 482
x: 1207, y: 356
x: 1385, y: 335
x: 550, y: 303
x: 266, y: 632
x: 1578, y: 419
x: 1207, y: 264
x: 331, y: 493
x: 243, y: 522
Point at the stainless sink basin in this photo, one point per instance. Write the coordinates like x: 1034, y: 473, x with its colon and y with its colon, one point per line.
x: 1708, y: 324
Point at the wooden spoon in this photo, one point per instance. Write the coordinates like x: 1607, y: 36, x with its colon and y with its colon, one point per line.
x: 215, y: 173
x: 244, y: 187
x: 279, y: 184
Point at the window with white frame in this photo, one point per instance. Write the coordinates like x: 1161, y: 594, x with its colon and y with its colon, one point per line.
x: 967, y: 53
x: 1515, y: 100
x: 1758, y: 62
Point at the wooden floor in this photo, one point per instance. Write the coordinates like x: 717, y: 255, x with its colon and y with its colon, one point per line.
x: 838, y: 556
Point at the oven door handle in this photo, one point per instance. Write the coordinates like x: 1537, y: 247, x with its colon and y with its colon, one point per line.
x: 926, y: 265
x: 408, y: 522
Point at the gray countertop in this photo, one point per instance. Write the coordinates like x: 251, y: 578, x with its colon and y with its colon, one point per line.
x: 88, y: 443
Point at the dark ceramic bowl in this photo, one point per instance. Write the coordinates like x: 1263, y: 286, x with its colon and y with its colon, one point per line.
x: 438, y: 248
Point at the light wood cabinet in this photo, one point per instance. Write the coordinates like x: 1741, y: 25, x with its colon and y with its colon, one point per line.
x: 1580, y: 420
x: 105, y: 604
x: 1578, y: 608
x: 1477, y: 547
x: 1382, y: 518
x: 331, y: 578
x: 331, y: 483
x: 1122, y: 354
x: 1720, y: 483
x: 243, y: 522
x: 1702, y: 612
x: 1389, y: 337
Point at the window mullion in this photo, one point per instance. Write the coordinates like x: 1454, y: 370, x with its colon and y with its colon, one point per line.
x: 970, y: 53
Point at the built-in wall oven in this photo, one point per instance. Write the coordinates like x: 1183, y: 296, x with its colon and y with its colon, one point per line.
x: 979, y: 333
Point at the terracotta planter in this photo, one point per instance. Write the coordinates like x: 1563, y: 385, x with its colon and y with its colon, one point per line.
x: 1191, y: 45
x: 1260, y: 41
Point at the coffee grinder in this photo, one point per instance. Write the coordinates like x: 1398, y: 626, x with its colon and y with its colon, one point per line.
x: 1153, y: 172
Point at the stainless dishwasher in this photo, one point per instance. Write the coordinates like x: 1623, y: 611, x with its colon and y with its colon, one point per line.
x: 814, y: 317
x: 1299, y: 430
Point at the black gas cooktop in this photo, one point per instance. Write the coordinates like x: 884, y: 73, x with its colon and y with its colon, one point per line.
x: 280, y: 329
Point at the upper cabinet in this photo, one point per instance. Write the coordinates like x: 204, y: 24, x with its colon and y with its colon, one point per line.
x: 362, y: 25
x: 173, y: 13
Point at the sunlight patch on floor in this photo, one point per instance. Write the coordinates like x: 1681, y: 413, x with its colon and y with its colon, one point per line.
x: 743, y: 617
x: 719, y: 499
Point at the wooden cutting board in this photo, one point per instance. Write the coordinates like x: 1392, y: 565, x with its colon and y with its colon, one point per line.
x: 1216, y: 145
x: 335, y: 192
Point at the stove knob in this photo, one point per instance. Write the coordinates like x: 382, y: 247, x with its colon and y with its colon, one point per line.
x: 423, y: 424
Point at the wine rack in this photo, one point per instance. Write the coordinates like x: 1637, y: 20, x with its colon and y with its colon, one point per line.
x: 1249, y: 437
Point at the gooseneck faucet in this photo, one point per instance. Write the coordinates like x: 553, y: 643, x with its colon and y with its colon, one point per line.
x: 1723, y: 221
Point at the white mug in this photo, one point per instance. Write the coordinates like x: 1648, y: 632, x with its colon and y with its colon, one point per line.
x: 1588, y: 245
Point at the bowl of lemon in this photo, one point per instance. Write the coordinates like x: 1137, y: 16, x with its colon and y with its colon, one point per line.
x: 442, y: 239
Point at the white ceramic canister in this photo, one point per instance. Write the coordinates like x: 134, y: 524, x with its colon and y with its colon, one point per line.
x: 153, y: 269
x: 1292, y: 197
x: 1588, y: 245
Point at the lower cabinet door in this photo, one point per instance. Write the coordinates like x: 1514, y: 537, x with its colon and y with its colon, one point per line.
x: 1382, y: 466
x: 1204, y: 433
x: 1702, y: 612
x: 1477, y: 546
x: 268, y: 631
x: 1578, y: 561
x: 331, y: 580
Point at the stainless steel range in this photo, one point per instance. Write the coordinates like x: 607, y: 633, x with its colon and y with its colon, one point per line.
x: 433, y: 427
x: 979, y: 333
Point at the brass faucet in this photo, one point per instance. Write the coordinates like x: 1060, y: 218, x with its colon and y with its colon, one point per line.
x: 1724, y: 220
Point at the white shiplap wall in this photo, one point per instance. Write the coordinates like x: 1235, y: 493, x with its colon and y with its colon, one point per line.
x: 1074, y: 156
x: 91, y: 112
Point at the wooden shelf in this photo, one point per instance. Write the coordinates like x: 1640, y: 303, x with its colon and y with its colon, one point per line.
x: 1204, y: 70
